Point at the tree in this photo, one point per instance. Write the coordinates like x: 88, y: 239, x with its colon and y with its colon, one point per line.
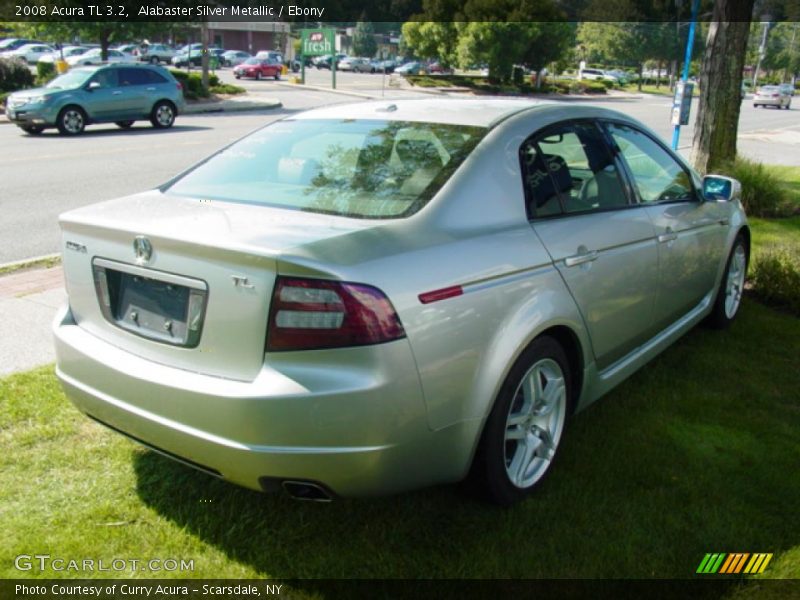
x: 720, y: 82
x: 364, y: 43
x: 432, y: 40
x: 501, y: 45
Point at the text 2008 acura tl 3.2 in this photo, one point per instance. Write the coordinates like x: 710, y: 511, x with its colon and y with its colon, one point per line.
x: 370, y: 298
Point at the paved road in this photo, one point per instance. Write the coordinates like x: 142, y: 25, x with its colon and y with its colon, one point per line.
x: 43, y: 176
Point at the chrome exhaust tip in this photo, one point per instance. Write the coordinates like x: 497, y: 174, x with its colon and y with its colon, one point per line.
x: 306, y: 490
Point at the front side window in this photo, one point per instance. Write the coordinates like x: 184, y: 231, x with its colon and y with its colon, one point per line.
x: 658, y: 177
x: 107, y: 78
x: 355, y: 168
x: 570, y: 169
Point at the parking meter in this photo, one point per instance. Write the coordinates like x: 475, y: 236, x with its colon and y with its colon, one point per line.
x: 682, y: 103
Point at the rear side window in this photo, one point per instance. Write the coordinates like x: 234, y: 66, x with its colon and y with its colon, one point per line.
x: 658, y: 177
x: 140, y: 77
x: 354, y: 168
x: 570, y: 169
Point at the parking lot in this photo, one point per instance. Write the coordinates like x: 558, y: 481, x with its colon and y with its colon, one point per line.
x: 46, y: 175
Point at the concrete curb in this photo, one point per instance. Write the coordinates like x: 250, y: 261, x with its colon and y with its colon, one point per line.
x: 218, y: 107
x: 319, y: 88
x: 16, y: 265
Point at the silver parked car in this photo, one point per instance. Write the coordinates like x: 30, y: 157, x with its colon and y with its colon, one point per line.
x: 370, y: 298
x: 773, y: 95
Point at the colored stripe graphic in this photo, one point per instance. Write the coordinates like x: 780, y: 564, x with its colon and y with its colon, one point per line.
x: 758, y: 563
x: 734, y: 563
x: 710, y: 563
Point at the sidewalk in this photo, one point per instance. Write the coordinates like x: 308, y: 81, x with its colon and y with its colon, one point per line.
x: 28, y: 303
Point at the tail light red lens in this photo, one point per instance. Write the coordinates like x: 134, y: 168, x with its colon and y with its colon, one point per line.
x: 308, y: 314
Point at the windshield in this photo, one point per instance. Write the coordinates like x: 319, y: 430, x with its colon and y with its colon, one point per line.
x: 253, y: 61
x: 70, y: 79
x: 353, y: 168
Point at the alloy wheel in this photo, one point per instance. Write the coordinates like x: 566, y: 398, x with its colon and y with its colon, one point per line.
x: 734, y: 284
x: 535, y: 422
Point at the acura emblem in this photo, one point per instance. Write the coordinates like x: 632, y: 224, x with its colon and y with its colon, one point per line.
x: 142, y: 249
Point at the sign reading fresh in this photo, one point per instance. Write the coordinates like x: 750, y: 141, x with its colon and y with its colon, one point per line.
x: 317, y: 42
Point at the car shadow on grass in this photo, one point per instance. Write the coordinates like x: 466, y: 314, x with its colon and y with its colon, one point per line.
x: 689, y: 456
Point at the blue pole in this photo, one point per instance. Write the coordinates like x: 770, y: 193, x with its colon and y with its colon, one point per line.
x: 676, y: 132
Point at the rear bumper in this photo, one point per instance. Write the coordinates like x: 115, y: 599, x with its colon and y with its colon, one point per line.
x: 769, y: 101
x: 358, y: 430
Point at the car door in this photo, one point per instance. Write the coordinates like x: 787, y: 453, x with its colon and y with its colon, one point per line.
x: 690, y: 232
x: 104, y: 97
x: 602, y: 243
x: 140, y: 85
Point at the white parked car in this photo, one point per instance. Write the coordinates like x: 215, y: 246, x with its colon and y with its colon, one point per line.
x: 597, y: 75
x: 67, y: 52
x: 94, y: 57
x: 30, y: 53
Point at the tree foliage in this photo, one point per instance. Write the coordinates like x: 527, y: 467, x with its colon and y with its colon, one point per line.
x: 499, y: 33
x: 364, y: 43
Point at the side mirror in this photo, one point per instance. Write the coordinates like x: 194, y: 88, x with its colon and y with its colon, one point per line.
x: 94, y: 85
x: 718, y: 188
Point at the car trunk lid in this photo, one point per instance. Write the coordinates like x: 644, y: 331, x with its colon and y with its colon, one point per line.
x: 181, y: 281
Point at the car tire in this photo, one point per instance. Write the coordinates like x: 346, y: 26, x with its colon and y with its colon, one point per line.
x: 277, y: 75
x: 163, y: 114
x: 522, y: 432
x: 124, y: 124
x: 71, y: 120
x: 237, y: 76
x: 258, y: 75
x: 32, y: 129
x: 154, y: 60
x: 731, y: 288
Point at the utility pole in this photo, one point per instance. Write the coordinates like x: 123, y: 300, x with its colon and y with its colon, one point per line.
x: 762, y: 51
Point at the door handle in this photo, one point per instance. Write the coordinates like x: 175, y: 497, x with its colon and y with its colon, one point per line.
x: 669, y: 236
x: 117, y: 93
x: 579, y: 259
x: 151, y: 89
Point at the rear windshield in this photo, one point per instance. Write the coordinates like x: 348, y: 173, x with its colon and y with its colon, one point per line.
x: 353, y: 168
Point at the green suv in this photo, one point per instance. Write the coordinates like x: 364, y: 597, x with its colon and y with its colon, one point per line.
x: 118, y: 93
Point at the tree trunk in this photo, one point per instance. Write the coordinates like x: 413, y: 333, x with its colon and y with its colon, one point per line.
x: 720, y: 83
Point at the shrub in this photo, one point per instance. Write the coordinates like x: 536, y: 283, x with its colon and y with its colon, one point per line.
x: 226, y: 88
x: 193, y: 83
x: 14, y: 75
x: 763, y: 195
x: 45, y: 71
x: 775, y: 277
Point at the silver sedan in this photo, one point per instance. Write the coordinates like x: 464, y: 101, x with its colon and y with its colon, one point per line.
x: 371, y: 298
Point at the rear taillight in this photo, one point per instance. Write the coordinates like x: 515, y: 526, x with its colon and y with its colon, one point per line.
x: 316, y: 313
x: 180, y: 86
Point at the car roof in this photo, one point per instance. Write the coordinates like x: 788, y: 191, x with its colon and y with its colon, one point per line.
x: 468, y: 111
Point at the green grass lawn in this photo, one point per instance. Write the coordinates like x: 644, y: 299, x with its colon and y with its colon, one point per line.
x: 696, y: 453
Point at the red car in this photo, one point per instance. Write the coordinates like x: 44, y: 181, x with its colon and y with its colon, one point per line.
x: 258, y: 68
